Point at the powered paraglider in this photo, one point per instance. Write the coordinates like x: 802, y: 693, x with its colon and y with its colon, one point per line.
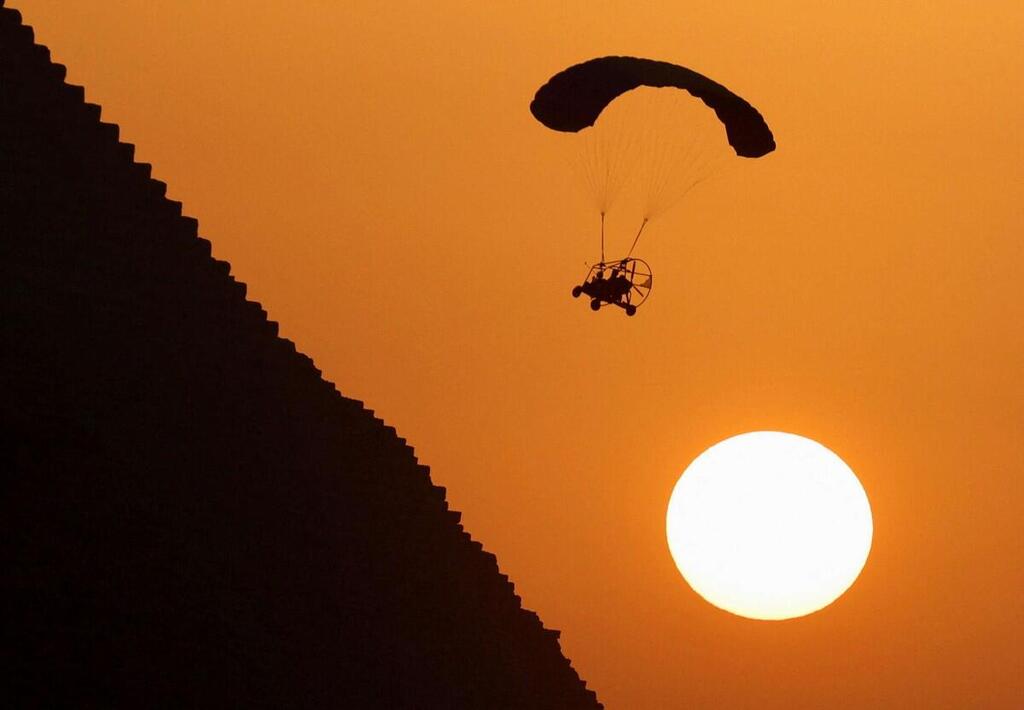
x: 652, y: 124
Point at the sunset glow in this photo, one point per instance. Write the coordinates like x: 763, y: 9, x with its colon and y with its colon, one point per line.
x: 384, y: 196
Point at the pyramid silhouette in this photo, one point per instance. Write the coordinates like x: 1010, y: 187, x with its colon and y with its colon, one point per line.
x: 191, y: 515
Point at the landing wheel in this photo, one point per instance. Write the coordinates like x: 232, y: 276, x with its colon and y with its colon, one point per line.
x: 576, y: 291
x: 630, y: 310
x: 595, y: 305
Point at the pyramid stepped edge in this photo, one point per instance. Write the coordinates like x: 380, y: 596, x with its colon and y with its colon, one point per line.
x: 194, y: 514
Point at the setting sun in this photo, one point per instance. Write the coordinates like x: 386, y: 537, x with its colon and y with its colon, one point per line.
x: 769, y: 525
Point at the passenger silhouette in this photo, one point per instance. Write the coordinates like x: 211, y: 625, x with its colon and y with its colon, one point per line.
x: 596, y: 287
x: 619, y: 286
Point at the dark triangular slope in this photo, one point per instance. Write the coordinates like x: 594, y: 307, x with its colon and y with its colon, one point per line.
x: 191, y: 515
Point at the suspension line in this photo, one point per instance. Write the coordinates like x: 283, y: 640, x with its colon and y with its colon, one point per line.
x: 636, y: 238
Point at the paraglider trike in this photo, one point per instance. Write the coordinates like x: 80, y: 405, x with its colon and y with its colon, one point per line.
x: 624, y: 283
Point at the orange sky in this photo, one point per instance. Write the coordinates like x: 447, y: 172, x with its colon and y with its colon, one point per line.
x: 372, y: 172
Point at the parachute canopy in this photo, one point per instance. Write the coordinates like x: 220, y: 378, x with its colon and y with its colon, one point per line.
x: 573, y: 99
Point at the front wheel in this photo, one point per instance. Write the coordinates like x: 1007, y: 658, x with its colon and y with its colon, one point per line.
x: 576, y: 291
x: 595, y: 305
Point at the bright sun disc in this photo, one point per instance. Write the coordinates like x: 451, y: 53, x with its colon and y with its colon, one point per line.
x: 769, y: 525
